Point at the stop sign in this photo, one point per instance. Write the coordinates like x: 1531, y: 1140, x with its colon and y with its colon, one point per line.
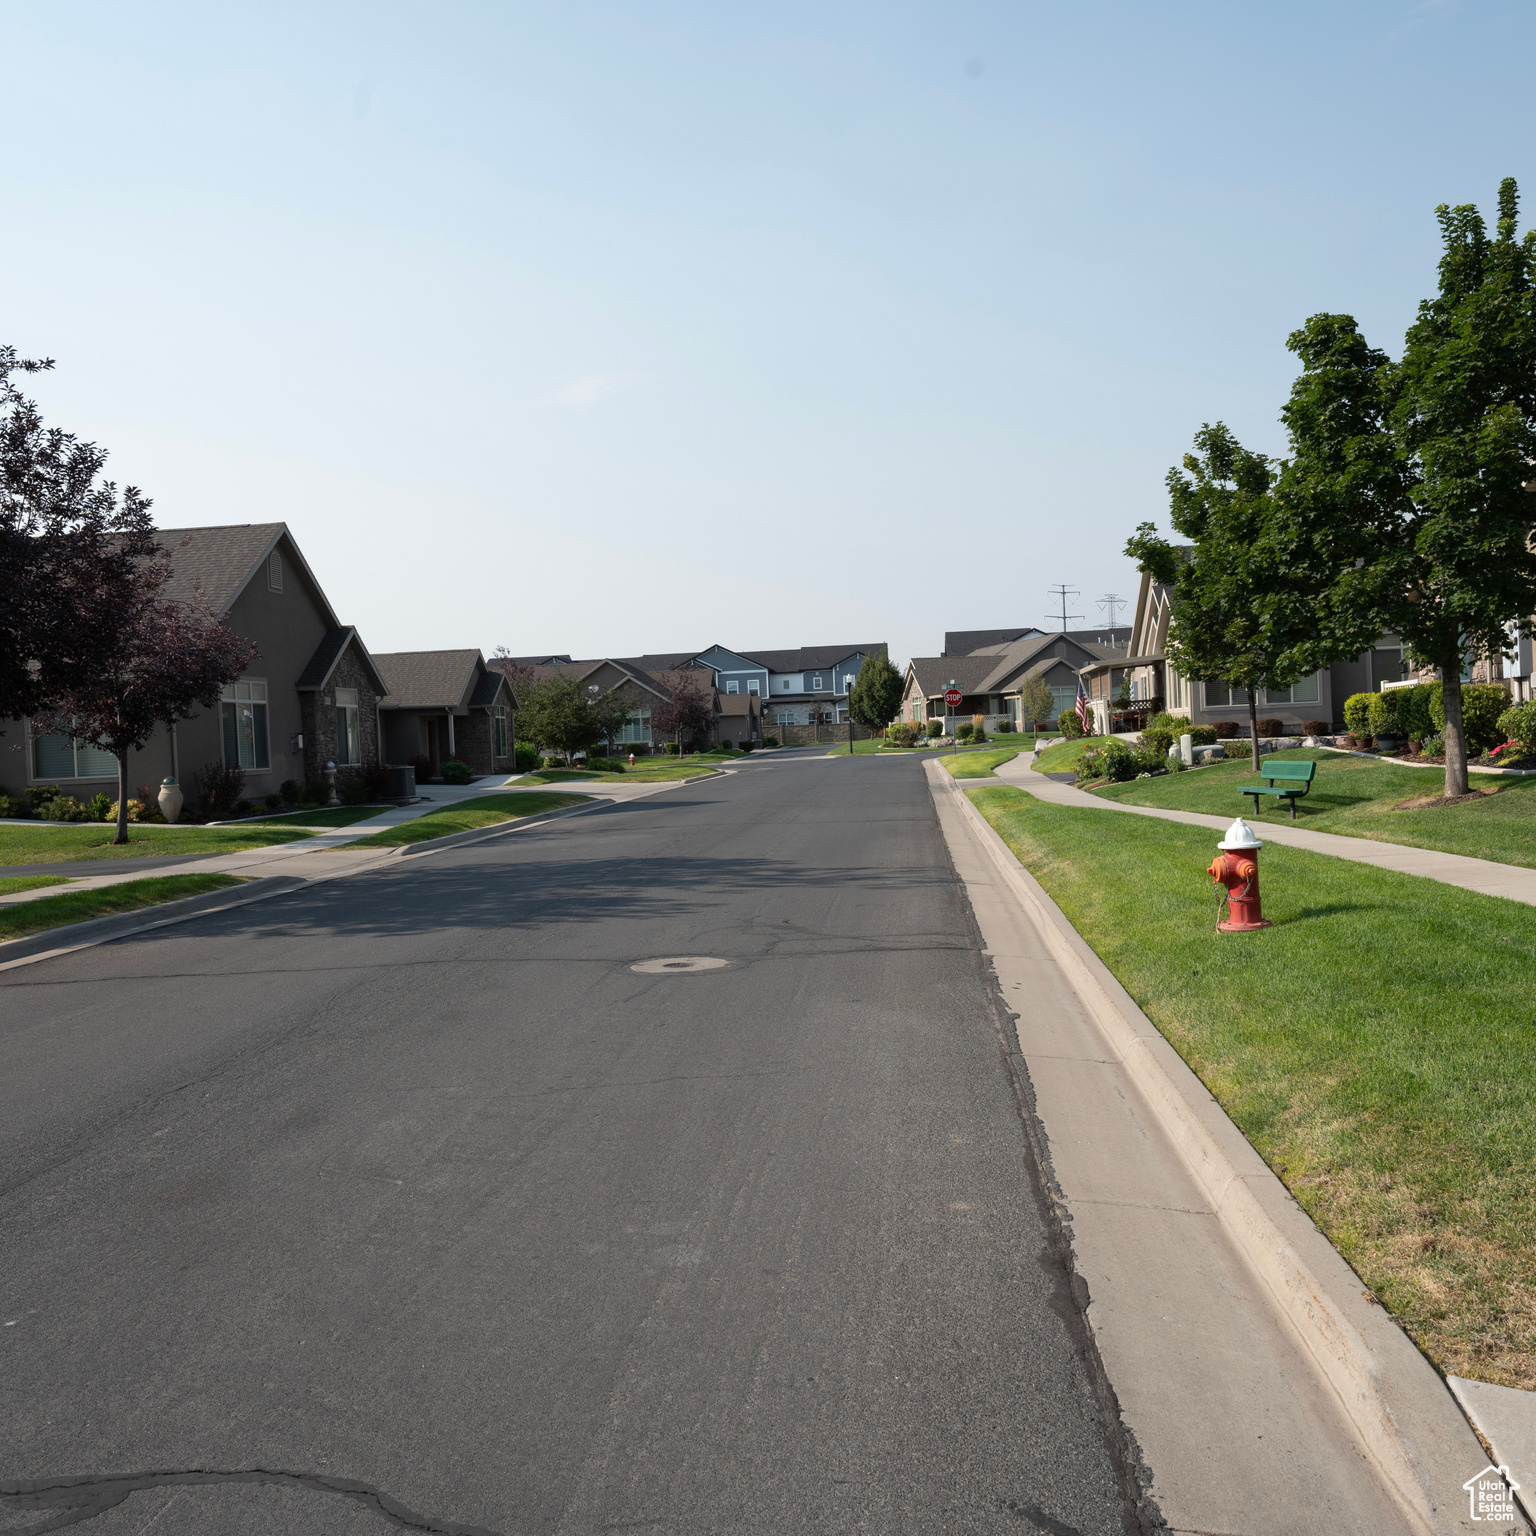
x: 952, y: 698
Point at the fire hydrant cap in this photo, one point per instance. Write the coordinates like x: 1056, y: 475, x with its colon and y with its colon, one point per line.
x: 1239, y: 835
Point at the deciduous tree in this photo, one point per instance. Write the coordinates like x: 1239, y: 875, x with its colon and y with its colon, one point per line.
x: 1036, y: 701
x: 1430, y: 457
x: 875, y: 696
x: 557, y: 715
x: 68, y: 545
x: 686, y: 711
x: 168, y: 659
x: 1256, y: 602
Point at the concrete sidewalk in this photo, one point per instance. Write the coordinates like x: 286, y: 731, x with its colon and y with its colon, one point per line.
x: 1246, y: 1425
x: 1482, y: 875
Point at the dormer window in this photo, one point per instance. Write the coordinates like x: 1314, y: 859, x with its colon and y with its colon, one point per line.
x: 816, y: 683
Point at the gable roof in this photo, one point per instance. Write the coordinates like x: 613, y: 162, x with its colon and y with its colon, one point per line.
x: 964, y: 642
x: 813, y: 658
x: 429, y: 679
x: 220, y: 562
x: 332, y: 647
x: 488, y: 689
x: 934, y: 673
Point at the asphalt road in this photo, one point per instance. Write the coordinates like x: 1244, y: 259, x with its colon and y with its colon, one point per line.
x: 408, y: 1200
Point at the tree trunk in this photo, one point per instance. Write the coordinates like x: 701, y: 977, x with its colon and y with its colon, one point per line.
x: 1455, y: 732
x: 1253, y: 725
x: 122, y: 798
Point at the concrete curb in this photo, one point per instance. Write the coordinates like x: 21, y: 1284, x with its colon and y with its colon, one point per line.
x: 97, y: 930
x: 1406, y: 1418
x: 69, y: 937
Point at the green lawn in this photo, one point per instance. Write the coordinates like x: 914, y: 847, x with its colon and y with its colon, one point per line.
x: 9, y: 887
x: 1374, y: 1045
x: 977, y: 765
x: 561, y: 776
x: 79, y: 906
x: 59, y: 843
x: 466, y: 815
x: 1358, y: 797
x: 1066, y: 755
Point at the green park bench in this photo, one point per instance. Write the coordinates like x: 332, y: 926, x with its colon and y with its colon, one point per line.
x: 1296, y: 775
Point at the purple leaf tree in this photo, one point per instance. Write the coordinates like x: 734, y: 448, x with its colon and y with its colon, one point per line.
x: 166, y: 660
x: 686, y: 710
x: 68, y: 546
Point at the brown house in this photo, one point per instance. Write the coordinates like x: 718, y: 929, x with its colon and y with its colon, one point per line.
x: 445, y: 706
x: 310, y: 697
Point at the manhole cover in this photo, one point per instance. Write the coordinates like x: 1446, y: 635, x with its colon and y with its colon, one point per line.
x: 678, y: 965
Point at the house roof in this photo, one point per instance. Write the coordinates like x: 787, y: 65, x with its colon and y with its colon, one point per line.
x: 220, y: 561
x: 811, y: 658
x: 333, y: 646
x: 488, y: 689
x: 968, y: 642
x: 934, y: 673
x: 429, y: 679
x: 526, y: 661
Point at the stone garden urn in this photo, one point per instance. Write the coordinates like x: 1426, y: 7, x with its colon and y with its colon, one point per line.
x: 170, y: 798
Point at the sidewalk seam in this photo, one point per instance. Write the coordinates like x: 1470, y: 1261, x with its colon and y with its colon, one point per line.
x: 1377, y: 1394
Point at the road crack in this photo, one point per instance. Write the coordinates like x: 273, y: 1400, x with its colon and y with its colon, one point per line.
x: 78, y: 1499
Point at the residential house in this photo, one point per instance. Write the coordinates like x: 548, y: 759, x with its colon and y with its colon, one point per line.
x: 991, y: 676
x: 310, y: 697
x: 1152, y: 684
x: 734, y: 697
x: 447, y: 705
x: 751, y: 691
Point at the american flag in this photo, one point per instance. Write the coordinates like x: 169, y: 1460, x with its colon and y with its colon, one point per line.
x: 1084, y: 713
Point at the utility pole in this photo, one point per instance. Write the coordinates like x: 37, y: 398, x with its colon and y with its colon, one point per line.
x: 1063, y: 594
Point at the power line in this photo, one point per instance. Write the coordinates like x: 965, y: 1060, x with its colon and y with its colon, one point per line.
x: 1064, y: 593
x: 1112, y: 601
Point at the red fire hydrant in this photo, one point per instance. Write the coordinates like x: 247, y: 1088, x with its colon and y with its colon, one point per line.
x: 1237, y: 868
x: 631, y: 759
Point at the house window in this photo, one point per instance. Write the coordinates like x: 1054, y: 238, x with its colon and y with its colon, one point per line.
x: 784, y: 685
x: 501, y: 730
x: 816, y: 683
x: 243, y: 707
x: 752, y: 685
x: 637, y: 728
x: 275, y: 572
x: 349, y: 743
x: 1061, y: 698
x: 733, y: 687
x: 1304, y: 691
x: 1219, y: 696
x: 62, y: 757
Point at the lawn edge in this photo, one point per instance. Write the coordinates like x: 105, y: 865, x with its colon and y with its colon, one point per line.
x: 496, y: 829
x: 1408, y: 1420
x: 98, y: 930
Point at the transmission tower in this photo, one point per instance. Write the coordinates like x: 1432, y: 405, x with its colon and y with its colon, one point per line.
x: 1111, y: 602
x: 1063, y: 595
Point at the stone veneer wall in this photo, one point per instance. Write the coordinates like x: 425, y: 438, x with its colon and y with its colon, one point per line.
x: 320, y: 719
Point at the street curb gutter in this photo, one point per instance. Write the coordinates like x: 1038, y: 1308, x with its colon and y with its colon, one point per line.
x: 68, y: 937
x: 97, y: 930
x: 1407, y: 1420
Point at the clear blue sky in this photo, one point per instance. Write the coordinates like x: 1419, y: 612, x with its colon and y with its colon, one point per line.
x: 608, y: 328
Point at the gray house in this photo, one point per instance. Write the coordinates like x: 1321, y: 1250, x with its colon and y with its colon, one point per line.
x: 446, y: 705
x: 310, y: 697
